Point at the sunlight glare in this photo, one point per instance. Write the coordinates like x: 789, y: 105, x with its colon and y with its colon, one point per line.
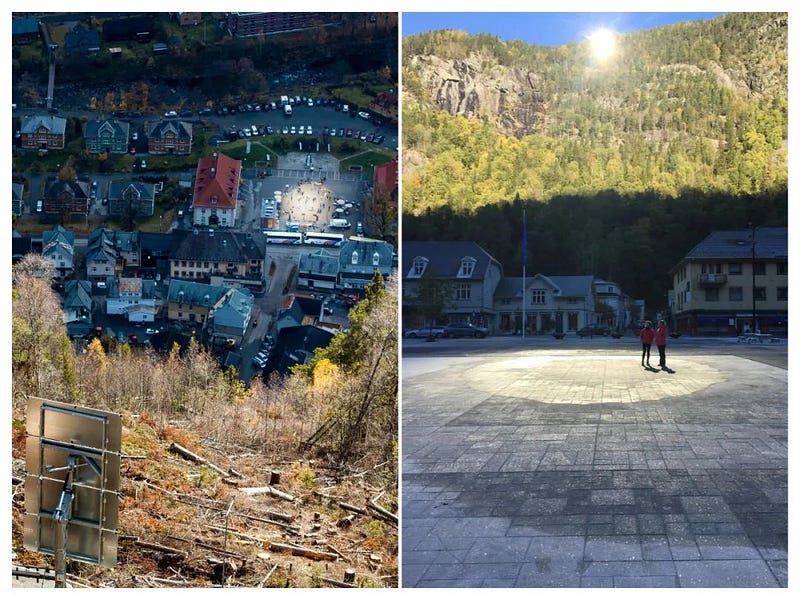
x: 603, y: 43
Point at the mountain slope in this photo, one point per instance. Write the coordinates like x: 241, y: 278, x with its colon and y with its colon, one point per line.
x: 701, y: 105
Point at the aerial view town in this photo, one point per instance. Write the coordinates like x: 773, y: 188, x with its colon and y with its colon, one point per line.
x: 210, y: 199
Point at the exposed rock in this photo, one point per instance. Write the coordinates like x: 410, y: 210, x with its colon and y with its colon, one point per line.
x: 477, y: 86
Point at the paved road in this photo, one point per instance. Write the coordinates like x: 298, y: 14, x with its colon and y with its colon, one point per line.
x: 529, y: 463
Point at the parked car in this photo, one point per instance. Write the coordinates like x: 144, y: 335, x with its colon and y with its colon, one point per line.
x: 592, y: 330
x: 170, y: 113
x: 464, y: 330
x: 424, y: 332
x: 260, y: 360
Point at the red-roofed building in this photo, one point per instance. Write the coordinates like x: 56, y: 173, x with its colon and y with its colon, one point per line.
x: 216, y: 190
x: 386, y: 176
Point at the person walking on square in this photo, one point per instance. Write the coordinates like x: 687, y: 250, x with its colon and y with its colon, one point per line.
x: 661, y: 344
x: 646, y: 335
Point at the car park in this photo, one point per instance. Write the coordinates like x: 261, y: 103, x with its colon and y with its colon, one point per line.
x: 454, y: 330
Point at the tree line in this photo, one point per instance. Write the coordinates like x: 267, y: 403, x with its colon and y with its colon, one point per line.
x: 631, y: 239
x: 342, y: 406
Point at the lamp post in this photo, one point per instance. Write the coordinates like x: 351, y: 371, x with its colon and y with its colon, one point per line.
x: 753, y: 268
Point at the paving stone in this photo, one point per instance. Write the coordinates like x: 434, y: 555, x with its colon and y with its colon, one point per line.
x: 533, y: 475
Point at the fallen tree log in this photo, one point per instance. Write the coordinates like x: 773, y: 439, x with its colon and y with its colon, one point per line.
x: 383, y: 512
x: 267, y: 489
x: 301, y: 551
x: 188, y: 454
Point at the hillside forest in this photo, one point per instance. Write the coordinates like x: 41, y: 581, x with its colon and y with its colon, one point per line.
x: 622, y: 167
x: 329, y: 429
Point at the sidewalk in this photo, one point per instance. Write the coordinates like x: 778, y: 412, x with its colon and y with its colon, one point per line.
x: 585, y: 470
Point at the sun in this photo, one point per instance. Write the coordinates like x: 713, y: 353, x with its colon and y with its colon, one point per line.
x: 603, y: 43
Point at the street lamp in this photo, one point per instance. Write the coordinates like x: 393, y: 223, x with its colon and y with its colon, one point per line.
x: 753, y: 268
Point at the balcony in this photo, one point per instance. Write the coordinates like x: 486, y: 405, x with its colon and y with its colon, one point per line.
x: 712, y: 279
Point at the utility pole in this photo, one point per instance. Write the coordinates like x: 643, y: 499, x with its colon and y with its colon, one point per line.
x: 753, y: 267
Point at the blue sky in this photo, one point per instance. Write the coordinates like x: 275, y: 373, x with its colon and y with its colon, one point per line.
x: 543, y: 28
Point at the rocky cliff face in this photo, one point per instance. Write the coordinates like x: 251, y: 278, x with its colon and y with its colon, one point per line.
x: 477, y: 86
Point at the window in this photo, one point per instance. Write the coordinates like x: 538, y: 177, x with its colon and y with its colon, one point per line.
x: 760, y: 293
x: 538, y: 296
x: 463, y: 291
x: 712, y: 268
x: 783, y: 268
x: 354, y: 257
x: 735, y: 294
x: 783, y: 293
x: 734, y: 268
x: 467, y: 267
x: 760, y: 268
x: 712, y: 295
x: 418, y: 266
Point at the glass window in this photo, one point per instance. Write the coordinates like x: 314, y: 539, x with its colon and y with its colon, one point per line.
x: 760, y: 293
x: 463, y: 291
x: 783, y: 268
x: 538, y: 296
x: 760, y: 268
x: 735, y: 294
x: 783, y: 293
x: 712, y: 295
x: 735, y: 268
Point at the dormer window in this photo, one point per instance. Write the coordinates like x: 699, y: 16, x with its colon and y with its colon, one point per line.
x: 467, y: 267
x: 376, y: 259
x: 354, y: 258
x: 418, y: 266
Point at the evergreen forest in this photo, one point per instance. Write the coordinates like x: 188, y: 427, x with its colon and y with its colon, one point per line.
x: 622, y: 166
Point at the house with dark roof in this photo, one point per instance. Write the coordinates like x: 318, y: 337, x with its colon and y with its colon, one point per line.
x: 81, y: 41
x: 360, y: 259
x: 193, y: 302
x: 110, y: 136
x: 131, y: 198
x: 42, y: 132
x: 318, y: 271
x: 216, y: 191
x: 77, y: 301
x: 232, y: 317
x: 471, y: 273
x: 101, y: 256
x: 138, y: 28
x: 221, y: 257
x: 295, y: 345
x: 17, y: 198
x: 24, y: 30
x: 66, y: 197
x: 170, y: 137
x: 733, y: 282
x: 298, y: 309
x: 137, y: 299
x: 21, y: 245
x: 551, y: 303
x: 58, y: 246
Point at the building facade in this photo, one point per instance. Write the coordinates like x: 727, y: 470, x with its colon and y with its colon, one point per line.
x: 733, y: 282
x: 469, y: 272
x: 170, y: 137
x: 216, y: 191
x: 109, y: 136
x: 39, y: 132
x: 220, y: 257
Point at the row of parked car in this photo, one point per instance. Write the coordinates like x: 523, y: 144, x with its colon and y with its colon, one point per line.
x: 469, y: 330
x: 453, y: 330
x: 257, y: 130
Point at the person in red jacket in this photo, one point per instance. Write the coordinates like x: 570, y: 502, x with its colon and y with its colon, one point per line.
x: 661, y: 344
x: 647, y: 334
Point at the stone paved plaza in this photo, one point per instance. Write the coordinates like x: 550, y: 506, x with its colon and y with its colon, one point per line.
x: 579, y: 468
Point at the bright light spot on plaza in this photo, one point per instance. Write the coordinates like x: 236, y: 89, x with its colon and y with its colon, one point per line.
x: 603, y: 43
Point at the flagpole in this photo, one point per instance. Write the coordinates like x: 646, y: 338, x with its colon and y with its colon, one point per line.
x: 524, y: 262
